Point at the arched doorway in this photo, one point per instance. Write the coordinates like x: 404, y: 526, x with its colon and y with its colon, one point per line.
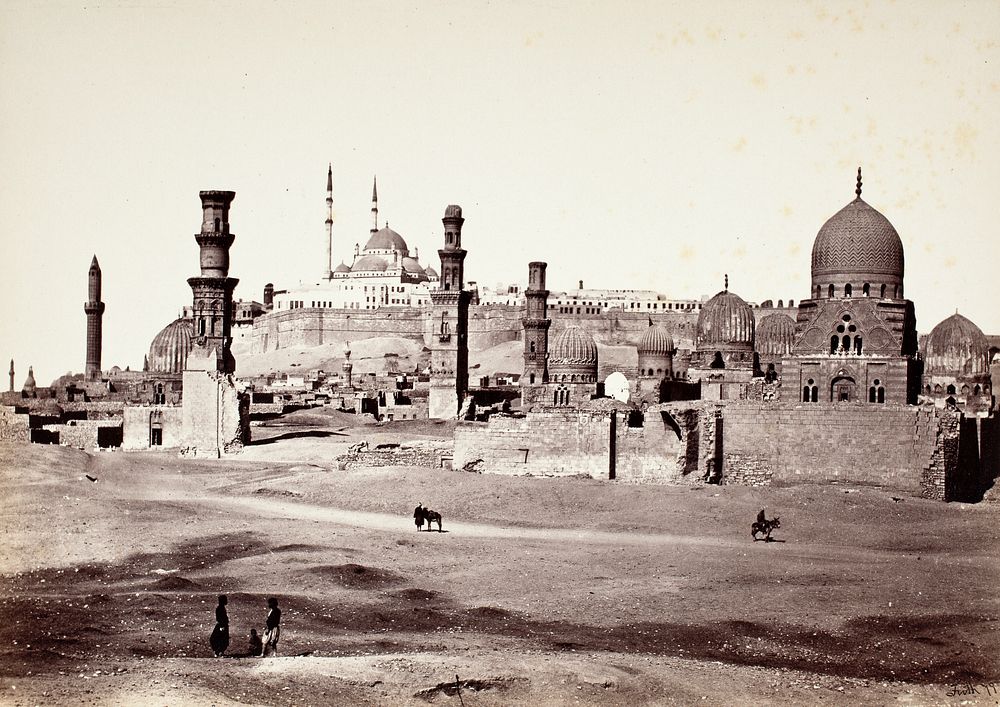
x: 843, y: 389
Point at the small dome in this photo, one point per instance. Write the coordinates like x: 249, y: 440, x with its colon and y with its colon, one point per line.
x: 386, y: 239
x: 775, y: 335
x: 370, y: 263
x: 956, y: 346
x: 342, y: 268
x: 412, y: 266
x: 656, y: 341
x: 725, y: 321
x: 857, y: 244
x: 453, y: 211
x: 170, y: 348
x: 430, y: 272
x: 574, y: 347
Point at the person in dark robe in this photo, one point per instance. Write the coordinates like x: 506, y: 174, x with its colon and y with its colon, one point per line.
x: 272, y: 630
x: 760, y: 517
x: 419, y: 513
x: 256, y: 645
x: 220, y: 634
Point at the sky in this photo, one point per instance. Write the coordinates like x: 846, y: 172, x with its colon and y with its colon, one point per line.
x: 647, y: 145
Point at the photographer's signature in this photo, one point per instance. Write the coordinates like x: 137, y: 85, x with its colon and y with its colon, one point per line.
x: 983, y: 688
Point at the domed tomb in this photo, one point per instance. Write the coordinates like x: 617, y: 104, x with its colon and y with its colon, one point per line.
x: 726, y: 322
x: 956, y: 347
x: 857, y: 253
x: 573, y: 357
x: 775, y: 335
x: 170, y: 348
x: 656, y: 352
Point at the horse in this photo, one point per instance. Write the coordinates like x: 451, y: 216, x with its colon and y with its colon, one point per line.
x: 765, y: 527
x: 431, y: 517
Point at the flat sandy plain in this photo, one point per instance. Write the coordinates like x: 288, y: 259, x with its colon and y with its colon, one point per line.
x: 541, y: 591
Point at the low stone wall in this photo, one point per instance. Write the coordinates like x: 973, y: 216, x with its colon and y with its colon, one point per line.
x: 14, y: 426
x: 87, y: 434
x: 657, y: 446
x: 435, y: 455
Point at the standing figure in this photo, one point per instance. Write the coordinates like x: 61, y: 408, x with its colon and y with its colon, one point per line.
x: 220, y: 634
x: 272, y: 627
x: 419, y: 513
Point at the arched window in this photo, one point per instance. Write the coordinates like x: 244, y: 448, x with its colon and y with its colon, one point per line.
x: 866, y: 289
x: 717, y: 361
x: 532, y: 346
x: 531, y: 377
x: 831, y: 290
x: 976, y: 390
x: 876, y: 393
x: 857, y: 345
x: 572, y: 378
x: 218, y: 224
x: 846, y: 343
x: 882, y: 292
x: 937, y: 389
x: 834, y: 343
x: 847, y: 290
x: 780, y: 304
x: 816, y: 293
x: 927, y: 390
x: 201, y: 327
x: 659, y: 371
x: 951, y: 390
x: 895, y: 291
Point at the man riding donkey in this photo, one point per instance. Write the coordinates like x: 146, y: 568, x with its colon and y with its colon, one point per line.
x: 764, y: 526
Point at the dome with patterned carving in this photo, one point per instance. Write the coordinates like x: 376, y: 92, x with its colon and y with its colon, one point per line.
x: 725, y: 322
x: 387, y: 239
x: 573, y: 356
x: 170, y: 348
x: 775, y: 335
x: 956, y: 346
x: 857, y: 246
x: 656, y: 341
x: 370, y: 263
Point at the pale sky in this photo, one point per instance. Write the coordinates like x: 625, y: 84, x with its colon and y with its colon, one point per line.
x: 630, y: 145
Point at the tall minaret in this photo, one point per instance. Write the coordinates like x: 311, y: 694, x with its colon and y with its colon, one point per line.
x: 536, y: 324
x: 213, y: 290
x: 329, y: 223
x: 94, y: 308
x: 450, y: 324
x: 374, y: 204
x: 12, y: 375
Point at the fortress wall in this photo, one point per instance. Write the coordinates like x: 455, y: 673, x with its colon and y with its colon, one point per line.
x: 881, y: 445
x: 488, y: 326
x: 551, y: 443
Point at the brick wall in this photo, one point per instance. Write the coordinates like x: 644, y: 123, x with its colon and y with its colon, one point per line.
x: 880, y: 445
x: 551, y: 443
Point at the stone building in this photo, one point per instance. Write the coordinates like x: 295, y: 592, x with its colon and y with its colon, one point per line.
x: 956, y: 367
x: 94, y: 309
x: 724, y: 360
x: 450, y: 323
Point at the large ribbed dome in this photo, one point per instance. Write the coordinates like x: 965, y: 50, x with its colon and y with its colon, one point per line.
x: 574, y: 353
x: 856, y: 244
x: 956, y: 346
x: 387, y: 239
x: 170, y: 348
x: 775, y: 335
x: 726, y: 321
x: 656, y: 341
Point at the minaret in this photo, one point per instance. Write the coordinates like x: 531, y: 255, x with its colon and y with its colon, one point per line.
x: 450, y: 324
x: 29, y: 390
x: 12, y: 375
x: 94, y: 308
x: 374, y: 204
x: 329, y: 223
x: 347, y: 365
x: 213, y: 290
x: 536, y: 324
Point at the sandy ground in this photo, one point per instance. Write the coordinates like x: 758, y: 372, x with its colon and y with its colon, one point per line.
x: 540, y: 591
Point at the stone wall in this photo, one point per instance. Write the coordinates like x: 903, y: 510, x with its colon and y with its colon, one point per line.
x: 215, y: 414
x: 489, y: 325
x: 434, y: 455
x: 878, y: 445
x: 136, y: 425
x: 657, y: 446
x: 14, y: 426
x: 87, y: 434
x: 551, y: 443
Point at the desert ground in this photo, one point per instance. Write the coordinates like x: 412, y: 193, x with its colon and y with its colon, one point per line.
x: 539, y: 591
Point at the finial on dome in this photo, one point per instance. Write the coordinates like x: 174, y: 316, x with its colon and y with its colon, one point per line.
x: 727, y: 282
x: 858, y: 189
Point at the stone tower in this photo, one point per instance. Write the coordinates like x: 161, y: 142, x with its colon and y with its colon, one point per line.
x: 347, y: 366
x: 12, y: 375
x: 213, y: 290
x: 328, y: 272
x: 536, y: 327
x: 450, y: 324
x: 94, y: 308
